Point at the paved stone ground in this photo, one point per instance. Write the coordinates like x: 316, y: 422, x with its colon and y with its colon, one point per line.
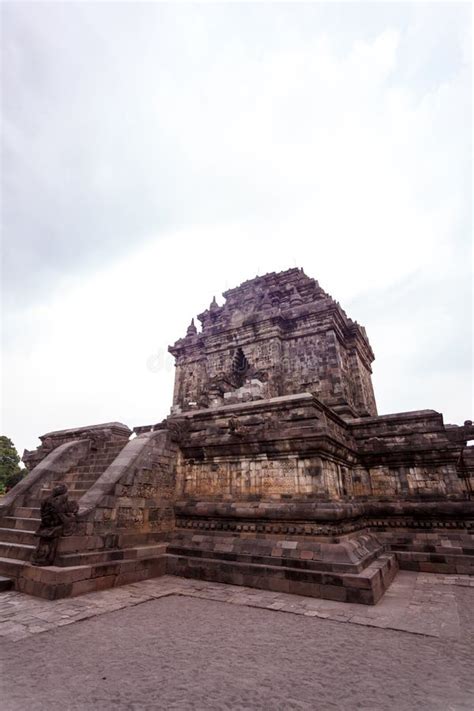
x: 419, y: 603
x: 171, y: 643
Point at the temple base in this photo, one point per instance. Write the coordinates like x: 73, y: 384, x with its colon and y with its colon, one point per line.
x: 353, y: 569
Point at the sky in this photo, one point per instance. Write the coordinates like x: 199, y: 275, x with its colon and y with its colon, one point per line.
x: 155, y: 155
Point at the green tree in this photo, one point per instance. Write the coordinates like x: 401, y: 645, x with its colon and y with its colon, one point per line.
x: 10, y: 471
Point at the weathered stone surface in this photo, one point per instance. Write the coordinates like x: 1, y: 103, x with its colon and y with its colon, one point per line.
x: 272, y: 471
x: 105, y: 441
x: 276, y: 335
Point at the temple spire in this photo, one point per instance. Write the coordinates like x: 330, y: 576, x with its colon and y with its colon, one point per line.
x: 192, y: 330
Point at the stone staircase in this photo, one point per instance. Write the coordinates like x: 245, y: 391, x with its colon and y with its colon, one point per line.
x: 96, y: 556
x: 17, y: 539
x: 17, y: 529
x: 86, y: 570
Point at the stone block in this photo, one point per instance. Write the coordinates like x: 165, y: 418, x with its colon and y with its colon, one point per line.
x: 357, y: 582
x: 279, y: 585
x: 362, y: 597
x: 307, y: 589
x: 85, y: 586
x: 333, y: 592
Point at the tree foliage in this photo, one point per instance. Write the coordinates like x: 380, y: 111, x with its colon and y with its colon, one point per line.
x: 10, y: 471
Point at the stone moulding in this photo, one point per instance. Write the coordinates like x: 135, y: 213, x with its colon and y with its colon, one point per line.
x: 298, y: 511
x: 293, y: 423
x: 370, y: 513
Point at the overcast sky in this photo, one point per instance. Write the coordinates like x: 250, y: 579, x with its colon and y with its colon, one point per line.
x: 157, y: 154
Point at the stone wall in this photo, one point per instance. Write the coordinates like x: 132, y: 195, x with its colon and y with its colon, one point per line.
x: 317, y: 478
x: 409, y: 455
x: 260, y: 476
x: 295, y: 447
x: 133, y: 500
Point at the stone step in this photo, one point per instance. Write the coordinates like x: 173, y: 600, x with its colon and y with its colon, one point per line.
x: 53, y: 582
x: 71, y: 485
x: 5, y: 583
x: 286, y: 553
x: 364, y: 588
x: 74, y: 496
x: 113, y: 554
x: 298, y: 563
x: 72, y: 493
x: 446, y: 562
x: 18, y: 551
x: 15, y: 535
x: 26, y: 512
x: 83, y: 485
x: 11, y: 567
x: 84, y: 476
x: 23, y: 524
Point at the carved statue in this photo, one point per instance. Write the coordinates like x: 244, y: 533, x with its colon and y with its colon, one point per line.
x: 178, y: 429
x: 58, y: 518
x: 240, y: 372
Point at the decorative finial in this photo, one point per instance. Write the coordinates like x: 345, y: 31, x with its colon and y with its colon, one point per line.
x: 214, y: 304
x: 295, y: 297
x: 192, y: 330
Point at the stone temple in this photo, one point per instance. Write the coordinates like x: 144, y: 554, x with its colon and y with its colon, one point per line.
x: 273, y: 469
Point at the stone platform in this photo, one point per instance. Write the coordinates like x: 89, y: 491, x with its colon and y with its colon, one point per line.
x: 353, y: 570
